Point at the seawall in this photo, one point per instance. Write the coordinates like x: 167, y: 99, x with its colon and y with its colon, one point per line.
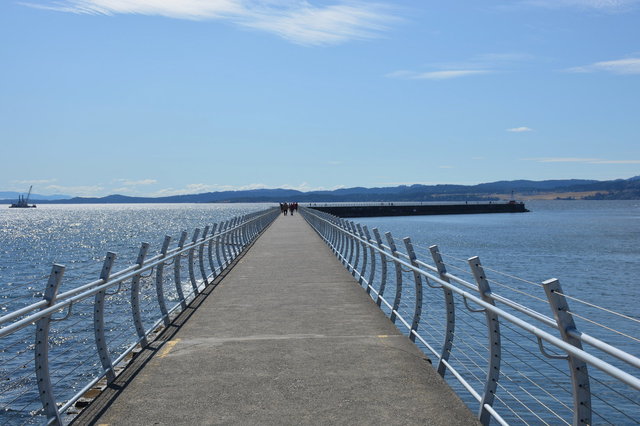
x: 390, y: 209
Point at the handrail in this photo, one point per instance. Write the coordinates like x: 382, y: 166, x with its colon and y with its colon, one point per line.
x: 340, y: 236
x: 239, y: 233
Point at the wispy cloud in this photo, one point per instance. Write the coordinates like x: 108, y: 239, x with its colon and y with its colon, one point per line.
x: 619, y: 66
x: 581, y: 160
x: 33, y: 181
x: 488, y: 63
x: 79, y: 191
x: 129, y: 182
x: 298, y: 21
x: 602, y: 5
x: 199, y: 188
x: 435, y: 75
x: 520, y: 129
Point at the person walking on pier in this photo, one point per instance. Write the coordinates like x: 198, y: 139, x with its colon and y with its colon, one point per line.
x: 285, y: 207
x: 291, y: 207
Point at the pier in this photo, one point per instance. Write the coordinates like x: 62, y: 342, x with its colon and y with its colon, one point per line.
x: 306, y: 319
x: 285, y: 338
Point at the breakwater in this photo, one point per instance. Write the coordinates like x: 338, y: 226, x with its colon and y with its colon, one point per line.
x: 402, y: 209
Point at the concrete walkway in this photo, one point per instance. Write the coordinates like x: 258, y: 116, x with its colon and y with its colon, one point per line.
x: 288, y: 337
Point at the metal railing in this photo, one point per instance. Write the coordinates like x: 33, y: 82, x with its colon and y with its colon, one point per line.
x: 396, y: 203
x: 107, y: 320
x: 493, y: 349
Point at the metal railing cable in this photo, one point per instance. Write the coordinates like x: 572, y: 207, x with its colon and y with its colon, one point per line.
x: 530, y: 385
x: 139, y: 300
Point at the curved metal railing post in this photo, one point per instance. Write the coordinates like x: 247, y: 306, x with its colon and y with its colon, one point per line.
x: 343, y: 242
x: 356, y: 249
x: 394, y: 253
x: 218, y: 244
x: 363, y: 270
x: 243, y: 231
x: 493, y: 327
x: 237, y: 244
x: 372, y: 272
x: 192, y: 273
x: 333, y: 238
x: 352, y: 245
x: 201, y: 256
x: 224, y: 242
x: 450, y: 309
x: 383, y: 266
x: 212, y: 265
x: 176, y: 270
x: 418, y: 281
x: 577, y: 367
x: 98, y: 320
x: 230, y: 240
x: 160, y: 282
x: 43, y: 376
x: 135, y: 296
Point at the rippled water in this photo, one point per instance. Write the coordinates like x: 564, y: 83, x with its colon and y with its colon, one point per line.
x: 593, y: 247
x: 79, y: 236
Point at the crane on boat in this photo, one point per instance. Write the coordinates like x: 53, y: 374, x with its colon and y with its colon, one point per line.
x: 23, y: 203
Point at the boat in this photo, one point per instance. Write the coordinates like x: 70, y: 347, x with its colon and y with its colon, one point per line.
x: 23, y: 203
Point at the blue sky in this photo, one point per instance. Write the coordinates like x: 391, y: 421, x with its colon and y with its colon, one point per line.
x: 161, y: 97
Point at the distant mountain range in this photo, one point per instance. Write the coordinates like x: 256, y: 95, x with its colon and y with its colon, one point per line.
x: 13, y: 196
x: 618, y: 189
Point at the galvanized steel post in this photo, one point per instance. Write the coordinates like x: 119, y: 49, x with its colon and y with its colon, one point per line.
x: 383, y: 266
x: 212, y: 265
x: 372, y: 272
x: 192, y: 274
x: 343, y: 243
x: 135, y: 296
x: 177, y: 268
x: 356, y: 246
x: 218, y: 240
x: 98, y: 320
x: 230, y: 240
x: 577, y: 367
x: 201, y: 255
x: 43, y: 376
x: 418, y: 281
x: 160, y: 281
x: 363, y: 270
x: 394, y: 253
x: 450, y: 309
x: 225, y: 239
x: 493, y: 327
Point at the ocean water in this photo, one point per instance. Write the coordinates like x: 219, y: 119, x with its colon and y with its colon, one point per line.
x: 590, y: 246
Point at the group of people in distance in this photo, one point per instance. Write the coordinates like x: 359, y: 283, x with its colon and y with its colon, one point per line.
x: 288, y: 207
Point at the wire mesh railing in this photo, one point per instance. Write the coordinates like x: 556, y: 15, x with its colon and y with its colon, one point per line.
x: 489, y: 336
x: 55, y: 350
